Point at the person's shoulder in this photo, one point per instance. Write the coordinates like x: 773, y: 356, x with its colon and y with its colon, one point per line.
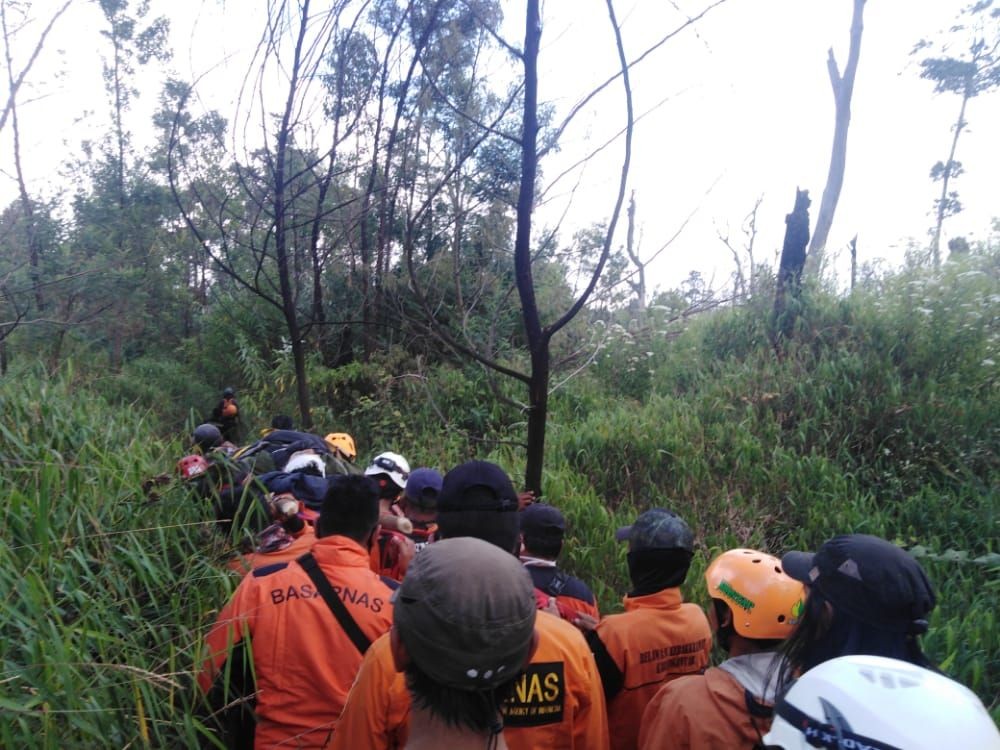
x: 696, y: 616
x: 555, y: 629
x: 578, y: 589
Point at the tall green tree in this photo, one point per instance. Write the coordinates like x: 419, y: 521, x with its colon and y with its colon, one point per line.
x: 965, y: 62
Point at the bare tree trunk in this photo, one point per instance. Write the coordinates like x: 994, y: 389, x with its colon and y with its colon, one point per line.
x: 538, y: 384
x: 843, y: 90
x: 638, y: 286
x: 946, y: 178
x: 793, y: 260
x: 281, y: 232
x: 854, y: 261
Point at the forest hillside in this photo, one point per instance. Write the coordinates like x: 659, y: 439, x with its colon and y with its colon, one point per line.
x: 879, y: 413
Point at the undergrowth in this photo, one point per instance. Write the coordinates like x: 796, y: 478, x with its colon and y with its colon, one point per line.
x: 880, y: 414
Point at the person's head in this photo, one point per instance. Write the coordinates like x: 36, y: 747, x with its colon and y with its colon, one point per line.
x: 660, y: 548
x: 228, y: 392
x: 874, y: 702
x: 463, y: 629
x: 350, y: 508
x: 477, y: 499
x: 206, y: 436
x: 419, y: 500
x: 282, y: 422
x: 755, y: 604
x: 390, y: 471
x: 343, y: 444
x: 864, y: 596
x: 542, y: 530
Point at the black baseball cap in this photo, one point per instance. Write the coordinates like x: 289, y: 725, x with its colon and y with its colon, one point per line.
x: 870, y: 579
x: 477, y: 485
x: 542, y: 521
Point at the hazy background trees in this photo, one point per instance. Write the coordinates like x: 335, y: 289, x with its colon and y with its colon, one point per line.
x: 377, y: 205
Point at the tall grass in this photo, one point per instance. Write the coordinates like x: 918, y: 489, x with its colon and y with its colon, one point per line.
x: 105, y: 593
x: 882, y: 415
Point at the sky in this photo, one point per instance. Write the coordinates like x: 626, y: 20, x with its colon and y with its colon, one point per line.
x: 735, y: 108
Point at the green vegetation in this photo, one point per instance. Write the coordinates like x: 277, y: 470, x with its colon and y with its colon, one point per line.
x: 882, y: 415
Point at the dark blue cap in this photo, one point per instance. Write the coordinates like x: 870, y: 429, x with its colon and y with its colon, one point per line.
x: 423, y: 488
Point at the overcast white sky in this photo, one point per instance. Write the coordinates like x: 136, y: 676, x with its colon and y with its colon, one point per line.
x: 739, y: 106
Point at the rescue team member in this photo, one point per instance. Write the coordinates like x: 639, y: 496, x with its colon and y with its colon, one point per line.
x: 226, y: 415
x: 419, y: 504
x: 305, y: 648
x: 865, y: 596
x: 542, y: 531
x: 393, y: 550
x: 557, y: 703
x: 462, y: 644
x: 754, y: 607
x: 874, y: 703
x: 658, y: 637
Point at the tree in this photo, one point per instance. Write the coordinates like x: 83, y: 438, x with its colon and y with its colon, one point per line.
x: 13, y: 19
x: 271, y: 226
x: 974, y: 71
x: 843, y: 90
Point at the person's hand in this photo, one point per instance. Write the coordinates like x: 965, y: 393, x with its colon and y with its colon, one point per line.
x: 585, y: 622
x: 524, y: 499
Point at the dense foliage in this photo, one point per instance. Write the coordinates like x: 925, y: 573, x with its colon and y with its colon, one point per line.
x: 881, y: 415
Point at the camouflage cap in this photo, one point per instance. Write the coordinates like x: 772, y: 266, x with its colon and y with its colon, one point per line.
x: 466, y: 613
x: 658, y: 529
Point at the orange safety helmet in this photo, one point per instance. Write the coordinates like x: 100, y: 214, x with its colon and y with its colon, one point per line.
x: 341, y: 441
x: 766, y: 603
x: 192, y: 467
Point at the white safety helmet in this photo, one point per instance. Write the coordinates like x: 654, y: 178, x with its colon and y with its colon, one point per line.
x: 392, y: 465
x: 874, y: 703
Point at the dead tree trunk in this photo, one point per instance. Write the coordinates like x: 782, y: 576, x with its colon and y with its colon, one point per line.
x: 793, y: 260
x: 843, y: 90
x: 854, y: 261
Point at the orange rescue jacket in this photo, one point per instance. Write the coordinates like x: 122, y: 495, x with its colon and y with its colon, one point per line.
x: 704, y: 711
x: 557, y: 703
x: 303, y: 660
x: 657, y: 639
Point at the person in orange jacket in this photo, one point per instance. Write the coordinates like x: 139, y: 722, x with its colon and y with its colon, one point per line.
x: 557, y: 702
x: 461, y: 644
x: 292, y: 637
x: 755, y: 606
x: 542, y: 529
x: 658, y: 638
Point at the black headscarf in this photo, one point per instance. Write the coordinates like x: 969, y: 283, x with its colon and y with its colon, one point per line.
x: 653, y: 570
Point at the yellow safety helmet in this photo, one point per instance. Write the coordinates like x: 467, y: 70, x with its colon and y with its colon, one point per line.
x: 341, y: 441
